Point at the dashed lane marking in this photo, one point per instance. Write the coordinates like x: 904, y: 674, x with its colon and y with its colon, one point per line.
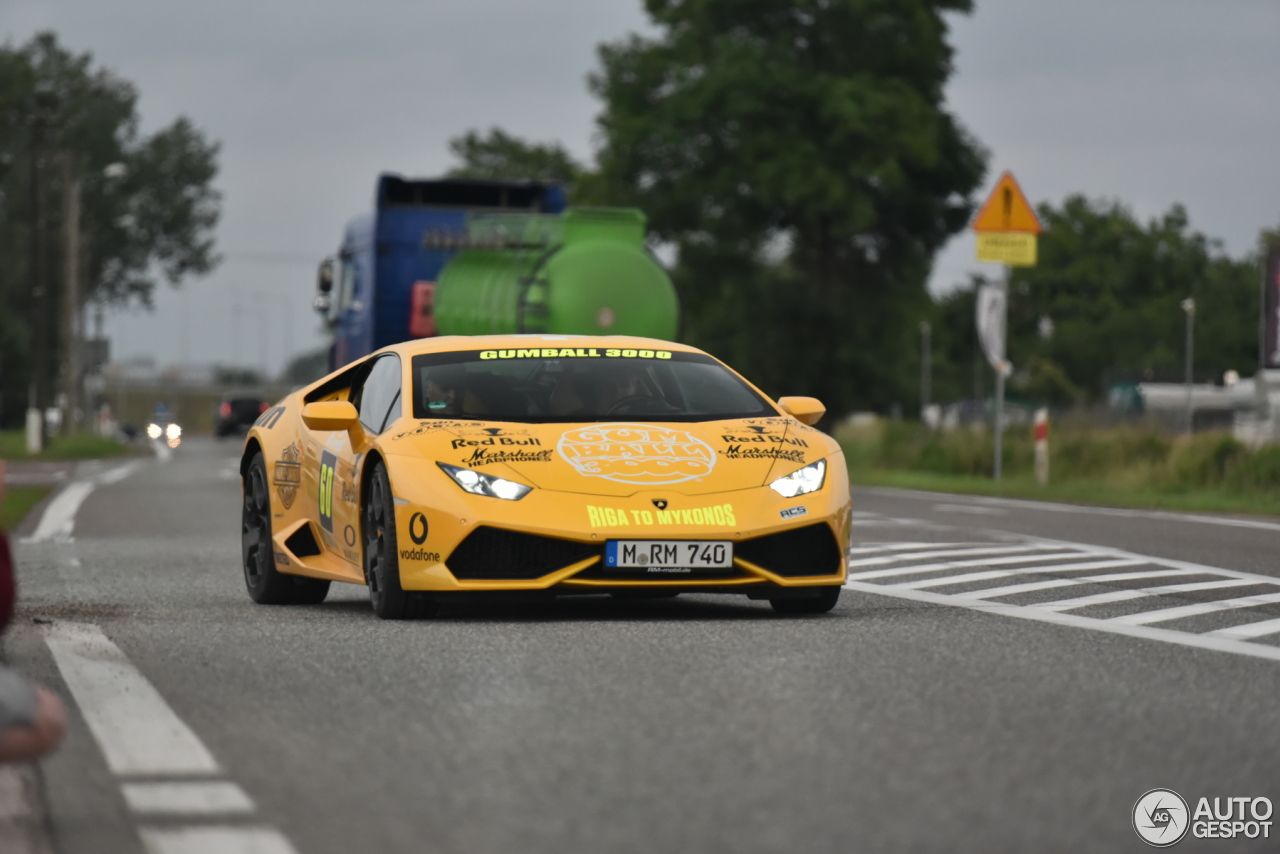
x: 185, y: 797
x: 139, y: 734
x: 59, y: 516
x: 216, y: 840
x: 904, y: 564
x: 134, y: 726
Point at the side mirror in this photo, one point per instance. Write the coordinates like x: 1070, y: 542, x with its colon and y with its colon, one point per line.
x: 330, y: 416
x: 326, y: 276
x: 806, y: 410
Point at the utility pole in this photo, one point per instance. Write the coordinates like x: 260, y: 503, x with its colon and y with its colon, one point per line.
x: 1189, y: 306
x: 71, y: 292
x: 39, y: 331
x: 926, y: 367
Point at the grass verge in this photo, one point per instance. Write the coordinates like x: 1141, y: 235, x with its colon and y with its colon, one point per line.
x: 17, y: 503
x: 80, y: 446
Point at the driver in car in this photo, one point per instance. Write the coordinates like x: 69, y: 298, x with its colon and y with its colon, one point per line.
x: 621, y: 387
x: 442, y: 396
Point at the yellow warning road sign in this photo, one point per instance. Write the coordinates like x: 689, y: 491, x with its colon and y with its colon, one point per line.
x: 1016, y: 249
x: 1006, y: 209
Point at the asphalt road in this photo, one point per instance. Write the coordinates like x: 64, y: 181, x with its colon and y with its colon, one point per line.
x: 918, y: 716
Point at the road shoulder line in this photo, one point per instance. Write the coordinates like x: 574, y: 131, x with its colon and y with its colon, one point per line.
x: 1059, y: 507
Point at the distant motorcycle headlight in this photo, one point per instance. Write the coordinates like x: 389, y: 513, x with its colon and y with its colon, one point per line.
x: 806, y: 480
x: 154, y: 431
x: 173, y: 431
x: 485, y: 484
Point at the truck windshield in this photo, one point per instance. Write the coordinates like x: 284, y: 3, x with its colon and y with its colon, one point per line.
x: 550, y: 385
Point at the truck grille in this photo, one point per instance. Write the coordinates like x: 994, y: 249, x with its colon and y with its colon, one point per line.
x: 811, y: 550
x: 493, y: 554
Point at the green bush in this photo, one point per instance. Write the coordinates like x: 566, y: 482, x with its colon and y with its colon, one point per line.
x: 78, y: 446
x: 1130, y: 456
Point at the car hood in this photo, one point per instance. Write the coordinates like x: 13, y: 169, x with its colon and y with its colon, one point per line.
x: 620, y: 458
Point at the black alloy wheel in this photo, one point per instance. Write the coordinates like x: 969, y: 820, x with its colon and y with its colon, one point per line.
x: 820, y: 604
x: 265, y: 584
x: 382, y: 556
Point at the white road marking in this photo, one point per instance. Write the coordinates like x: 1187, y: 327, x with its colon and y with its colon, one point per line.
x: 944, y: 580
x: 1087, y: 556
x: 1026, y: 612
x: 135, y: 728
x: 1011, y: 589
x: 964, y: 552
x: 1027, y: 570
x: 1165, y: 614
x: 1141, y: 593
x: 959, y: 564
x: 116, y: 474
x: 58, y: 520
x: 1248, y: 630
x: 215, y: 840
x: 60, y: 514
x: 187, y: 797
x: 992, y: 592
x: 880, y: 548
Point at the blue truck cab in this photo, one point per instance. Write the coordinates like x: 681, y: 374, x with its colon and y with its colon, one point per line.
x: 379, y: 288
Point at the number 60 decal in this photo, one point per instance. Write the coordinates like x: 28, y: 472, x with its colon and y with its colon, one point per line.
x: 328, y: 466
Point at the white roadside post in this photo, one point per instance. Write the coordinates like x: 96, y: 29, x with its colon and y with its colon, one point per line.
x: 1041, y: 434
x: 1006, y: 228
x: 992, y: 314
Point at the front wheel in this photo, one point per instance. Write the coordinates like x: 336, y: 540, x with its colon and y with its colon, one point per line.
x: 381, y: 556
x: 820, y: 604
x: 265, y: 584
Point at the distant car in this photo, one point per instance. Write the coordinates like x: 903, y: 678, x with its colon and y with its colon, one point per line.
x: 560, y: 464
x: 162, y: 427
x: 237, y: 413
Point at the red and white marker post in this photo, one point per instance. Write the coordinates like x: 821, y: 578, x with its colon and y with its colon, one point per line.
x: 1042, y: 446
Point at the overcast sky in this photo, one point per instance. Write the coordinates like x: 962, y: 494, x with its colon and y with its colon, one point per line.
x: 1150, y: 102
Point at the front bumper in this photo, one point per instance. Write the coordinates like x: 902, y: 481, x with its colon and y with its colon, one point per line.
x: 473, y: 543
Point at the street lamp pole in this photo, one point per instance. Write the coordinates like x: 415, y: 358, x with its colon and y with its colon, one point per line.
x: 1189, y: 306
x: 926, y: 367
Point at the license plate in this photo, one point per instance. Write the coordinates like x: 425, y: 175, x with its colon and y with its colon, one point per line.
x: 668, y: 557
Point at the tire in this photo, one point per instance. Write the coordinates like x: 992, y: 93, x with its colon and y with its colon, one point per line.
x: 820, y: 604
x: 265, y: 584
x: 382, y: 555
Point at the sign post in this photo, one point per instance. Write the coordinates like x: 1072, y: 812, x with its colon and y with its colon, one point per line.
x: 1006, y: 228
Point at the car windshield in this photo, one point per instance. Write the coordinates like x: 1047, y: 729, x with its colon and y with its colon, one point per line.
x: 552, y: 384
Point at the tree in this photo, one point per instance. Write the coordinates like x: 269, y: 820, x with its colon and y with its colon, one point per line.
x: 799, y: 158
x: 1111, y: 288
x: 148, y: 204
x: 501, y: 156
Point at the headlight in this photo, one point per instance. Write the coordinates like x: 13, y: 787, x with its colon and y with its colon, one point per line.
x: 173, y: 431
x: 154, y: 431
x: 808, y: 479
x: 486, y: 484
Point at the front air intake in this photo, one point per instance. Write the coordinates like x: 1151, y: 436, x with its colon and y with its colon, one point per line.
x: 492, y: 554
x: 302, y: 542
x: 811, y: 550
